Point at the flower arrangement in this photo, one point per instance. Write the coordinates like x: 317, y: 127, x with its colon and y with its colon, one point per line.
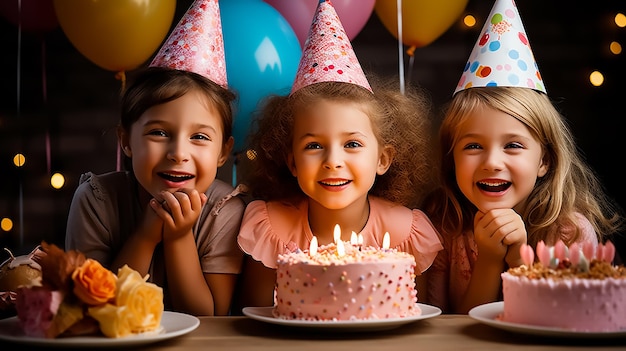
x: 79, y: 296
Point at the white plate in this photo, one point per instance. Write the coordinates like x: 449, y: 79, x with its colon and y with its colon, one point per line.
x: 264, y: 314
x: 173, y: 324
x: 487, y: 314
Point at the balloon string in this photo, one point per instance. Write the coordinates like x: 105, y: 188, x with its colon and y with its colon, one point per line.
x: 118, y: 158
x: 411, y: 51
x: 121, y: 76
x: 19, y: 88
x: 400, y: 47
x: 19, y: 53
x: 234, y: 173
x: 18, y: 113
x: 44, y: 85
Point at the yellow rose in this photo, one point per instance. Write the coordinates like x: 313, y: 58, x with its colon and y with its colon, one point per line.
x: 94, y: 284
x: 137, y: 308
x: 113, y: 320
x: 143, y: 300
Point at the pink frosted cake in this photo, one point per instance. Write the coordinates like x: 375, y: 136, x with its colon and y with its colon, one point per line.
x: 575, y: 288
x: 346, y: 284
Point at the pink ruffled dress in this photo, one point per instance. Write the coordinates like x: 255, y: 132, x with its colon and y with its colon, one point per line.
x: 271, y: 228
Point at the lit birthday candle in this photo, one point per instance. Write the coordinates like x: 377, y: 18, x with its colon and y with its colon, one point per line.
x: 353, y: 239
x: 386, y: 241
x: 313, y: 246
x: 341, y: 250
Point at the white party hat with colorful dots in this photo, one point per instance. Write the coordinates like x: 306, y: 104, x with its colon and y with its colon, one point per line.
x: 196, y: 44
x: 328, y: 55
x: 502, y: 54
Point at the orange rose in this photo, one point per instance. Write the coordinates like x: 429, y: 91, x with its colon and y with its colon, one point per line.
x: 138, y: 306
x: 94, y: 284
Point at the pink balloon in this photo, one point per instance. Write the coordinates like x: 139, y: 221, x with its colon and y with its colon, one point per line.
x: 299, y: 13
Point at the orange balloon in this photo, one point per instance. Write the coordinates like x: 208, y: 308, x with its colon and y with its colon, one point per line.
x: 117, y: 35
x: 423, y: 21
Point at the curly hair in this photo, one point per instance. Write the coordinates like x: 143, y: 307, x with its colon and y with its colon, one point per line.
x: 402, y: 121
x: 569, y: 187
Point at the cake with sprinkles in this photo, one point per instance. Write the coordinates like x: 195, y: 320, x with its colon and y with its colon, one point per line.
x: 342, y: 281
x: 574, y: 288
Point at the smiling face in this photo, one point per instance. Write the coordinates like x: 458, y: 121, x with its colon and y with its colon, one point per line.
x: 497, y: 160
x: 177, y: 145
x: 336, y: 155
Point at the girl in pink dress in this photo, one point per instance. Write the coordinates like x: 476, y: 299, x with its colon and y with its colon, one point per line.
x: 510, y: 174
x: 335, y: 151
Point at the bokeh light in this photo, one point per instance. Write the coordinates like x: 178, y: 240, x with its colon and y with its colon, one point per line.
x: 596, y: 78
x: 57, y: 180
x: 6, y: 224
x: 19, y: 160
x: 251, y: 154
x: 620, y: 20
x: 615, y: 47
x: 469, y: 20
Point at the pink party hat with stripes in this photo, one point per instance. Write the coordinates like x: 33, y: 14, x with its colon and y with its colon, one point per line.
x: 196, y: 44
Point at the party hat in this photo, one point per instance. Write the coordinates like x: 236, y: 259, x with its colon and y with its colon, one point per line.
x: 196, y: 44
x: 328, y: 55
x: 502, y: 54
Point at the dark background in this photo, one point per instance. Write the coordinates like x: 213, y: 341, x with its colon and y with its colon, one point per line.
x: 61, y: 99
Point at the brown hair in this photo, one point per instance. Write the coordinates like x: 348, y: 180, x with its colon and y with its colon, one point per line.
x: 399, y: 120
x: 158, y: 85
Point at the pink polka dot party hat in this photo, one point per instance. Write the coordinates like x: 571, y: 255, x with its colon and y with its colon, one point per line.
x: 196, y: 44
x: 502, y: 55
x: 327, y: 55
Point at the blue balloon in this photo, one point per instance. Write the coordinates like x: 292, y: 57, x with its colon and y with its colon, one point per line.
x: 262, y: 56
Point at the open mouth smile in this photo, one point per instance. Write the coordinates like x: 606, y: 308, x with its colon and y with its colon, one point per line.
x: 494, y: 187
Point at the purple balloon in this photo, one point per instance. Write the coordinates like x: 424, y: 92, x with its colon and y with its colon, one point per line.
x: 353, y: 14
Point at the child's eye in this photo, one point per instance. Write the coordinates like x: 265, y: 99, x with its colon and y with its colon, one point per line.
x: 200, y: 137
x: 157, y: 132
x: 353, y: 144
x: 514, y: 146
x: 472, y: 147
x: 312, y: 146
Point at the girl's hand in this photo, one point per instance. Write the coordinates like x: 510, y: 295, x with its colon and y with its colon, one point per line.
x: 152, y: 224
x: 179, y: 211
x: 497, y: 230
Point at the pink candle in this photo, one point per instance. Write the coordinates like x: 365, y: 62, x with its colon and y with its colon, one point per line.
x: 528, y: 256
x: 543, y: 253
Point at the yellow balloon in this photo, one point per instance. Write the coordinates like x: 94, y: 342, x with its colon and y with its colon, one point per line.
x: 117, y: 35
x: 423, y: 21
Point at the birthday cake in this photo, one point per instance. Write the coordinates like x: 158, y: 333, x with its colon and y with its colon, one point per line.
x: 78, y: 296
x: 345, y: 282
x: 574, y: 288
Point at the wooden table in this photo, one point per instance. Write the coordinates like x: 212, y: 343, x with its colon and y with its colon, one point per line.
x: 444, y: 332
